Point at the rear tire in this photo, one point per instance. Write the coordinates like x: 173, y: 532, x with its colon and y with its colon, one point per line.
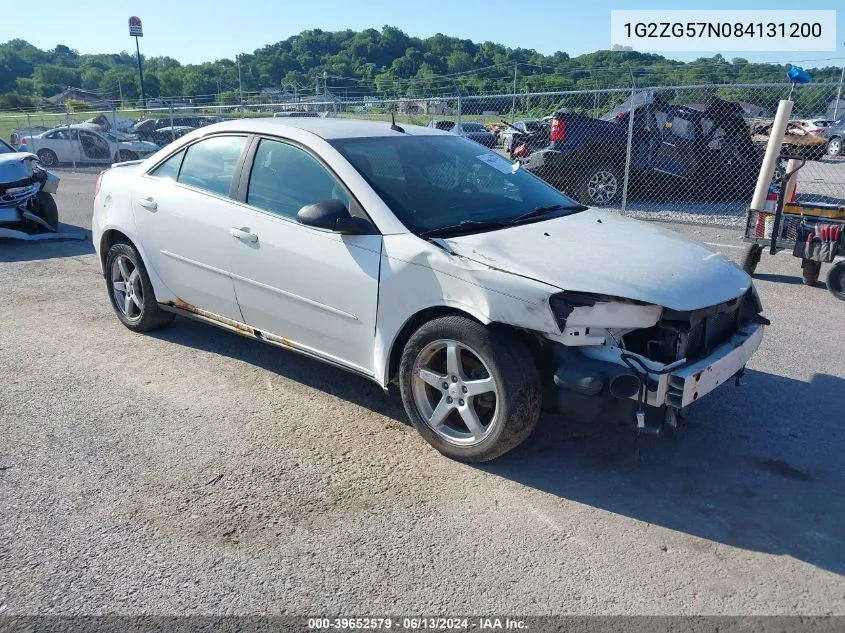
x: 131, y: 292
x: 810, y: 271
x: 600, y: 186
x: 752, y: 258
x: 126, y: 155
x: 491, y: 399
x: 48, y: 157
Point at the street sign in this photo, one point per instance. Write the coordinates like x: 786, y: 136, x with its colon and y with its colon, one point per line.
x: 135, y: 28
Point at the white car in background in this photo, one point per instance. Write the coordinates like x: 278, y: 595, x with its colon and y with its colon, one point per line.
x: 81, y: 144
x: 417, y: 257
x: 815, y: 126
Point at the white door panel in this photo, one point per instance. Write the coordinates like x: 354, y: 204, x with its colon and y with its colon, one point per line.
x: 186, y: 235
x: 316, y: 288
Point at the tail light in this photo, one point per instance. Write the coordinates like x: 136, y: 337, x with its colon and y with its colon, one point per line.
x: 521, y: 151
x: 97, y: 185
x: 23, y: 141
x: 558, y: 129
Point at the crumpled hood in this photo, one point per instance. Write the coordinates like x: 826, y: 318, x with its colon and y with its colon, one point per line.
x: 16, y: 166
x: 604, y: 253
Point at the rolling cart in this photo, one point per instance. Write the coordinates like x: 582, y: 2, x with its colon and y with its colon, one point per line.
x: 814, y: 232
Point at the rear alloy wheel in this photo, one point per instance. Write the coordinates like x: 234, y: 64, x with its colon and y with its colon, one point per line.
x: 834, y: 146
x: 472, y: 392
x: 131, y: 291
x: 600, y: 186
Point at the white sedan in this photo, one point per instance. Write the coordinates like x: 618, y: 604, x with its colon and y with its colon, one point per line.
x: 415, y: 257
x: 82, y: 144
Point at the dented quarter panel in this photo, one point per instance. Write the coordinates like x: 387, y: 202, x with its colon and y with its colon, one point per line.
x: 113, y: 211
x: 416, y: 275
x: 601, y: 252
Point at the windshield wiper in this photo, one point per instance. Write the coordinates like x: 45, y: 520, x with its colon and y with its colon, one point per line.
x: 465, y: 226
x: 534, y: 213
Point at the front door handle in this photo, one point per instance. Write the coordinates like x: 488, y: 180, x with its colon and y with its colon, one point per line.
x: 243, y: 234
x: 148, y: 203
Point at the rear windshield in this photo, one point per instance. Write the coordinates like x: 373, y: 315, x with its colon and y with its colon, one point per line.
x: 473, y: 127
x: 444, y: 125
x: 431, y: 182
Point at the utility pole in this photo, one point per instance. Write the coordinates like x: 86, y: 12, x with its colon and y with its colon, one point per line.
x: 839, y: 93
x: 513, y: 107
x: 240, y: 85
x: 120, y: 91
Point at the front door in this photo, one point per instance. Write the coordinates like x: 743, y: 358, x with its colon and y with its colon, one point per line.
x: 676, y: 154
x: 316, y: 288
x: 94, y: 148
x: 185, y: 217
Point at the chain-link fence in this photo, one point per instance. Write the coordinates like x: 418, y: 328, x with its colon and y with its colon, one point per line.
x: 680, y: 153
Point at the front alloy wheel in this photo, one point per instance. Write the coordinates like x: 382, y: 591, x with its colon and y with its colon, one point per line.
x: 472, y: 391
x: 454, y: 392
x: 834, y: 147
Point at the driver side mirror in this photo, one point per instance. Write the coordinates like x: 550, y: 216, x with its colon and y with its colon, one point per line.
x: 333, y: 215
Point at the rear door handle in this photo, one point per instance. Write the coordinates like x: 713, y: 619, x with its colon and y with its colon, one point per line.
x: 148, y: 203
x: 243, y: 235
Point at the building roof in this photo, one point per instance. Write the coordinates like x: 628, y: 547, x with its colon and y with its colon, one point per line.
x: 76, y: 93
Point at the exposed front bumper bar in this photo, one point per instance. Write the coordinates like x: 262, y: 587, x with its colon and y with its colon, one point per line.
x: 682, y: 387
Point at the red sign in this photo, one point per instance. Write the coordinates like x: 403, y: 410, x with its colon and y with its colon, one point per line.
x: 135, y: 28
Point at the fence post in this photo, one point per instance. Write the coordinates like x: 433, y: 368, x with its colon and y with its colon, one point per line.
x: 628, y: 151
x: 172, y: 131
x: 67, y: 119
x: 29, y: 134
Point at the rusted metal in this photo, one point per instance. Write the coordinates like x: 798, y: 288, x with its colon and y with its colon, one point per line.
x: 187, y: 307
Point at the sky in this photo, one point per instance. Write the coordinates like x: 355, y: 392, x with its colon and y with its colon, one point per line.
x: 194, y: 31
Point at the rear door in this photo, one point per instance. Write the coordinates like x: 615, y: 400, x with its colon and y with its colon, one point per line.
x: 315, y: 288
x: 189, y: 224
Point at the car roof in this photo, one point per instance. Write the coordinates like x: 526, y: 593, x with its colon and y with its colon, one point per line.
x: 325, y: 128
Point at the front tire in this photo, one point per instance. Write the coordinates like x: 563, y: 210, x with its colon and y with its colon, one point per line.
x: 45, y: 207
x: 834, y: 146
x: 600, y: 186
x: 131, y: 292
x: 473, y: 392
x: 752, y: 258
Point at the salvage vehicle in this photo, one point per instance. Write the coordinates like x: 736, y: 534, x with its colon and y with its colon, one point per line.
x: 81, y: 144
x: 418, y: 258
x: 691, y: 151
x: 25, y: 193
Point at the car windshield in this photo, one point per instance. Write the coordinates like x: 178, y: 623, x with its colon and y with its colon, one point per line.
x: 5, y: 148
x: 434, y: 182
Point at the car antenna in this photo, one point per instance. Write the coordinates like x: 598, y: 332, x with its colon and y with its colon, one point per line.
x: 393, y: 125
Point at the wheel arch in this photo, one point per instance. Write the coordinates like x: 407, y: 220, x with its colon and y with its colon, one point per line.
x: 411, y: 325
x: 111, y: 236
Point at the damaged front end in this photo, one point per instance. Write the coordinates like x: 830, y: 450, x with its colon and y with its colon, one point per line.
x: 23, y: 181
x: 642, y: 364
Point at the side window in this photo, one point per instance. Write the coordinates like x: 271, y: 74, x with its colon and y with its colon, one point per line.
x: 285, y: 178
x: 169, y: 169
x: 210, y: 164
x: 683, y: 128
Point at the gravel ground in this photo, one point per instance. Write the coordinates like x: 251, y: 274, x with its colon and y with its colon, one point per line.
x: 193, y: 471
